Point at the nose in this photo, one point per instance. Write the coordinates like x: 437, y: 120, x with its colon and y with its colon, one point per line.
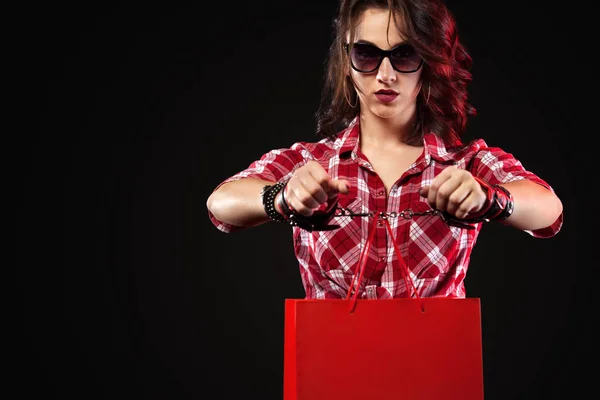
x: 386, y: 72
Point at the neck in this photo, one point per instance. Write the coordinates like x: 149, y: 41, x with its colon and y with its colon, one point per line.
x: 377, y: 131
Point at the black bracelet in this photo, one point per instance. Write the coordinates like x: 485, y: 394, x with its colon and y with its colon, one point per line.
x: 283, y: 204
x: 501, y: 204
x: 268, y: 193
x: 504, y: 204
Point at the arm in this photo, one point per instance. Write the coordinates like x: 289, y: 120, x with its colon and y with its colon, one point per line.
x: 457, y: 192
x: 239, y: 202
x: 236, y: 203
x: 535, y: 206
x: 537, y: 209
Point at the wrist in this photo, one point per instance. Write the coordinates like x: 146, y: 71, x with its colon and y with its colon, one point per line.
x: 269, y: 195
x: 498, y: 206
x: 487, y: 205
x: 281, y: 206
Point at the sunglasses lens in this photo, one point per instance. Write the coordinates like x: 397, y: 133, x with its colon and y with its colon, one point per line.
x: 405, y: 58
x: 365, y: 57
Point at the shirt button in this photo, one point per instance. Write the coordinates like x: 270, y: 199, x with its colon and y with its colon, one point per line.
x: 381, y: 193
x: 381, y: 259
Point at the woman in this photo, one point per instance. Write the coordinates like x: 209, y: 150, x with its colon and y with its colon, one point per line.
x: 392, y: 112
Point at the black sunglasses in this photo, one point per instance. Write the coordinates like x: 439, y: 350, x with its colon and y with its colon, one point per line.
x: 365, y: 57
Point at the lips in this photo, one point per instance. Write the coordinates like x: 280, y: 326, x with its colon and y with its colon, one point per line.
x: 386, y: 95
x: 386, y: 91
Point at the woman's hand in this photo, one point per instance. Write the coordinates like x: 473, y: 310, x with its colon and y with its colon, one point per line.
x: 310, y: 186
x: 456, y: 192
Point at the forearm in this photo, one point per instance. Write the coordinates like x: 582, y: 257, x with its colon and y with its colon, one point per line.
x: 239, y: 202
x: 535, y: 206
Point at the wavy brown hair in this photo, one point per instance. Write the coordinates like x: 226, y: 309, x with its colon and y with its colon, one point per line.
x: 428, y: 25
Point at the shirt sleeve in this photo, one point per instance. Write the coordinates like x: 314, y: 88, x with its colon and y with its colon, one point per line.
x: 273, y: 166
x: 496, y: 166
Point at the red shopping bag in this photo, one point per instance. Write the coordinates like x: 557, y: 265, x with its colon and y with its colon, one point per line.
x: 410, y: 348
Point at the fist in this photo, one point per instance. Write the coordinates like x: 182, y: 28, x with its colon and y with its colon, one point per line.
x: 456, y: 192
x: 310, y: 186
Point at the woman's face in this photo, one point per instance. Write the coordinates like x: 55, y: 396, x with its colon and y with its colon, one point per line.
x: 403, y: 88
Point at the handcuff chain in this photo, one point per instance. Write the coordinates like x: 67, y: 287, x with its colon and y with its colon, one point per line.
x: 406, y: 214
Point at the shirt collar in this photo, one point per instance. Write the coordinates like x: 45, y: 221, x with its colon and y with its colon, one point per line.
x: 349, y: 139
x: 433, y: 145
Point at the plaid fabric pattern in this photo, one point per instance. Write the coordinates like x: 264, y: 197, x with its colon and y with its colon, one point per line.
x: 436, y: 254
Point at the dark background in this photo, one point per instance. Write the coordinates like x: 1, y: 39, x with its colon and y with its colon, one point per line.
x: 135, y: 113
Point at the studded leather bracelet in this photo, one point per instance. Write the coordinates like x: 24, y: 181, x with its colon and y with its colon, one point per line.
x: 269, y: 193
x: 279, y: 210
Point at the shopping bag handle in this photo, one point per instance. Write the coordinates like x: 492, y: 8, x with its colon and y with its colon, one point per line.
x: 363, y: 260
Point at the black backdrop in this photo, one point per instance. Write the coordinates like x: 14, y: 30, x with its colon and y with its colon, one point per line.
x: 135, y: 113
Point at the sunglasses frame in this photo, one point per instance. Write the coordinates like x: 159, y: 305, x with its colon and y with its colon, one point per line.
x: 383, y: 54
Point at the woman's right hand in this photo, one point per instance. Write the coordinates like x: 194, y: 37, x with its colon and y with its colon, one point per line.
x: 310, y: 187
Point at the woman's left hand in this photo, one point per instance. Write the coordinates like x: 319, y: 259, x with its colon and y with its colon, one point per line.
x: 456, y: 192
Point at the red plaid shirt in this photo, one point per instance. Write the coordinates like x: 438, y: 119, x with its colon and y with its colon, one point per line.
x: 436, y: 254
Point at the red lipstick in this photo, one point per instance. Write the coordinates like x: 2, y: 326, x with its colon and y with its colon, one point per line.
x: 386, y: 95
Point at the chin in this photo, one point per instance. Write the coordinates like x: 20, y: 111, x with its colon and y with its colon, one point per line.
x: 385, y: 111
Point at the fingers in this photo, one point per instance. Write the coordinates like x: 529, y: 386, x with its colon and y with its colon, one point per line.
x: 454, y: 191
x: 304, y: 194
x: 440, y: 190
x: 337, y: 186
x: 466, y: 207
x: 310, y: 187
